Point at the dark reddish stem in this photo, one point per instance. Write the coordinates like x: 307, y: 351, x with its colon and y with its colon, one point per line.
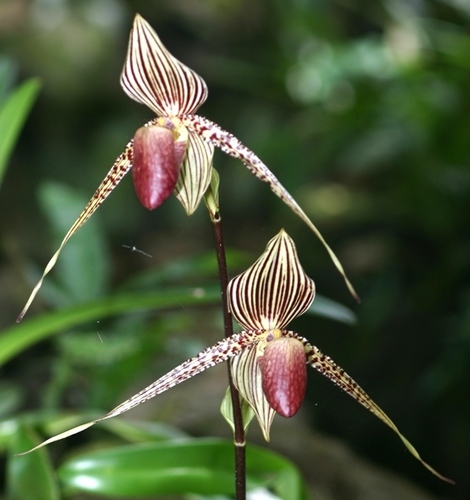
x: 239, y: 433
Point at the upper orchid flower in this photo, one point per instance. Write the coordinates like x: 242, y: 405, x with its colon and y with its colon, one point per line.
x: 173, y: 152
x: 268, y: 361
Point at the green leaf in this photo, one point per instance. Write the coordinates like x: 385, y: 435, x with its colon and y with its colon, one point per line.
x: 13, y: 113
x: 200, y: 466
x: 51, y: 422
x: 138, y: 431
x: 11, y: 397
x: 7, y: 76
x: 29, y: 477
x: 278, y: 473
x: 331, y: 309
x: 48, y: 422
x: 17, y: 338
x: 191, y: 268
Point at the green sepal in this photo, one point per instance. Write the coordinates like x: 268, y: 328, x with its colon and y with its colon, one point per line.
x: 211, y: 196
x: 226, y: 409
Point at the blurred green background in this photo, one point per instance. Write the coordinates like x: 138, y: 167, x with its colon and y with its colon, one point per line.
x: 360, y: 108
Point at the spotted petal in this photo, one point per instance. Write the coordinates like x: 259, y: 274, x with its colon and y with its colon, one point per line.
x: 218, y: 353
x: 152, y: 76
x: 230, y: 145
x: 120, y: 168
x: 274, y: 290
x: 326, y: 366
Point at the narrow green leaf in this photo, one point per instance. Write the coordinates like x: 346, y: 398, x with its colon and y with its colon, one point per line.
x: 8, y: 73
x: 29, y: 477
x: 327, y: 308
x: 52, y: 422
x: 138, y: 431
x: 46, y: 421
x: 13, y: 113
x: 192, y: 268
x: 19, y: 337
x: 11, y: 396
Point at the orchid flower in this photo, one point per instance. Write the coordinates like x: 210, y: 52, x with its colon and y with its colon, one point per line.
x: 173, y: 152
x: 268, y: 361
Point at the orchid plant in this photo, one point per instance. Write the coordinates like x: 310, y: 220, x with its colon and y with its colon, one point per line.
x: 173, y: 152
x: 268, y: 360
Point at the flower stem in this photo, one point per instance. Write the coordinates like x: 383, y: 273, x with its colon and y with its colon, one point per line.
x: 239, y: 432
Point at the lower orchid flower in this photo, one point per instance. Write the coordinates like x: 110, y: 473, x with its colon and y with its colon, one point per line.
x: 268, y: 361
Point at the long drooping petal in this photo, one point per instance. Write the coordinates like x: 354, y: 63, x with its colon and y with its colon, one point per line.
x: 152, y: 76
x: 233, y: 147
x: 218, y: 353
x: 327, y: 367
x: 274, y: 290
x: 120, y: 168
